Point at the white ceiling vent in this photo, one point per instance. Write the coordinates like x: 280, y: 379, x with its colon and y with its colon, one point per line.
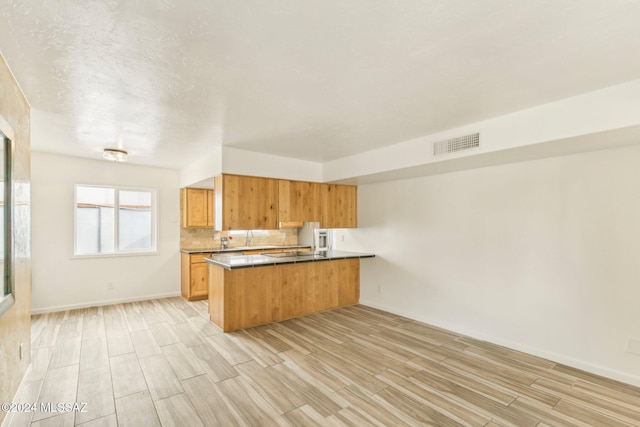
x: 454, y: 145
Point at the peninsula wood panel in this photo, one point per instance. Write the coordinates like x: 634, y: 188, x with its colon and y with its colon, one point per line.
x: 339, y: 205
x: 332, y: 284
x: 347, y: 276
x: 216, y: 296
x: 292, y: 282
x: 298, y: 201
x: 342, y: 284
x: 314, y: 285
x: 247, y: 203
x: 249, y: 297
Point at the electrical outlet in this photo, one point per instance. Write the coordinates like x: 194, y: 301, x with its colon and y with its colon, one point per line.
x: 379, y: 289
x: 110, y: 286
x: 633, y: 346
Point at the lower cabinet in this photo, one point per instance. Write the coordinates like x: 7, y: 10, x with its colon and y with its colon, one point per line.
x: 195, y: 276
x: 247, y: 297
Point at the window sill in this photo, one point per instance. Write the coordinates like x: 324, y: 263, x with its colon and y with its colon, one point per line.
x: 116, y: 255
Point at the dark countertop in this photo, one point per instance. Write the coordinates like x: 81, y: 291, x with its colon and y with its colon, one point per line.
x: 232, y: 262
x: 239, y: 249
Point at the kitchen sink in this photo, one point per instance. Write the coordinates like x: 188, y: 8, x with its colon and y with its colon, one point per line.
x: 287, y: 254
x: 248, y: 248
x: 294, y: 254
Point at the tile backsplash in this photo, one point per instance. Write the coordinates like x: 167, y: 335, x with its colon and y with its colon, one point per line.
x: 207, y: 238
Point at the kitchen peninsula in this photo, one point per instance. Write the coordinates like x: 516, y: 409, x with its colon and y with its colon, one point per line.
x: 251, y: 290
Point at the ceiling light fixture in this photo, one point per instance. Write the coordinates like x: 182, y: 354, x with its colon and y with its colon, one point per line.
x: 115, y: 154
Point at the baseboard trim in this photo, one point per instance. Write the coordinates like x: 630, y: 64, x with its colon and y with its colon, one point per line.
x: 45, y: 310
x: 554, y: 357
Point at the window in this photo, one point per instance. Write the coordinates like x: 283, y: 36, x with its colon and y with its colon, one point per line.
x: 111, y: 220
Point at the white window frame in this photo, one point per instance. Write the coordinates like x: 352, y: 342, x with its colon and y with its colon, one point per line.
x: 155, y: 207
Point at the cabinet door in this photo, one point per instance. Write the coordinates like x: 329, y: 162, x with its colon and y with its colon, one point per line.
x: 248, y: 203
x: 194, y: 207
x: 348, y: 274
x: 339, y: 206
x: 292, y: 279
x: 298, y: 201
x: 185, y: 275
x: 199, y: 279
x: 210, y: 208
x: 314, y: 287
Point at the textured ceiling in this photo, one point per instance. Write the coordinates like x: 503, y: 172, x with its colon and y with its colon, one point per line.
x: 315, y: 80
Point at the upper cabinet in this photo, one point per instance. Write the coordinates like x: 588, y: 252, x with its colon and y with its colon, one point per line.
x: 339, y: 206
x: 197, y: 207
x: 298, y: 202
x: 245, y: 203
x: 255, y: 203
x: 210, y: 218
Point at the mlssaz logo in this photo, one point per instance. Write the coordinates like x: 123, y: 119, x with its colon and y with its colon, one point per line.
x: 63, y: 407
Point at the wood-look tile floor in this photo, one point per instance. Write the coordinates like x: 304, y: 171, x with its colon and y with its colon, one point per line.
x: 162, y: 362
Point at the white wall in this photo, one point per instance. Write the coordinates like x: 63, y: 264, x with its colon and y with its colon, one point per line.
x: 243, y: 162
x: 595, y: 112
x: 62, y: 282
x: 205, y: 168
x: 541, y: 256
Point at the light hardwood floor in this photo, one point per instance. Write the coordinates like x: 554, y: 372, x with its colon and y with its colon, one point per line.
x: 162, y: 362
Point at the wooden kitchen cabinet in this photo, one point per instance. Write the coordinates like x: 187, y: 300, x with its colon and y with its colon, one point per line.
x: 256, y: 203
x: 195, y: 276
x: 197, y: 207
x: 245, y: 203
x: 339, y: 206
x: 210, y: 218
x: 298, y: 201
